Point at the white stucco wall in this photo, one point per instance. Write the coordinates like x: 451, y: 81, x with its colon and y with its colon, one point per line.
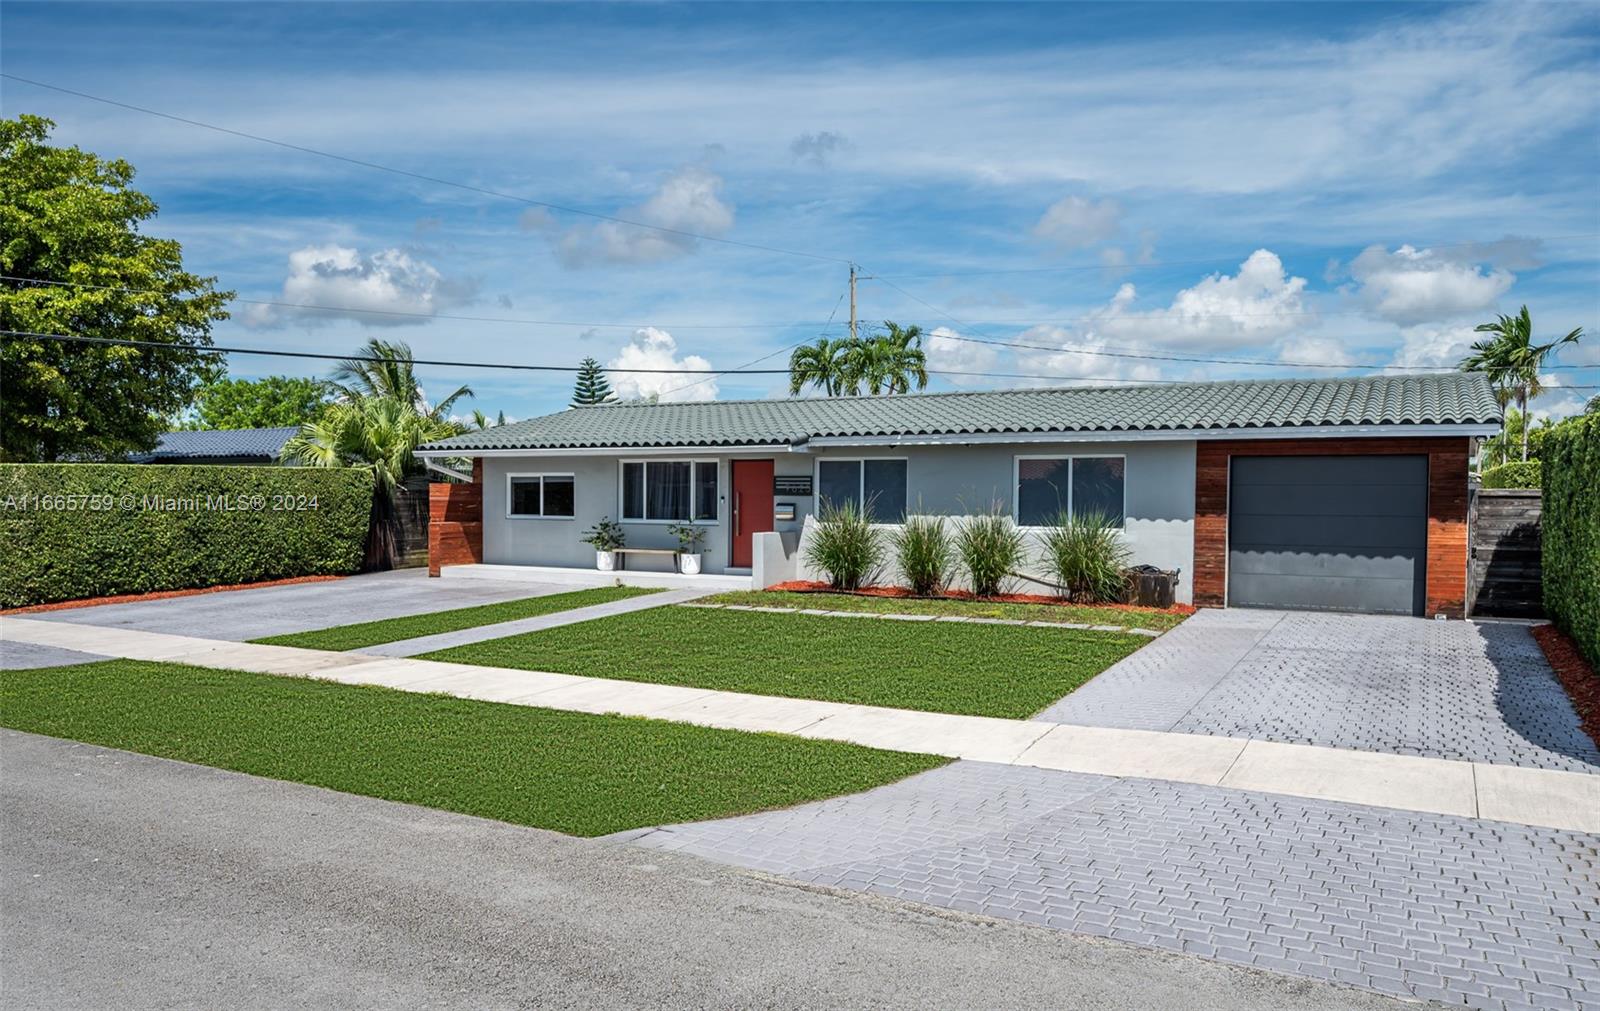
x: 941, y: 480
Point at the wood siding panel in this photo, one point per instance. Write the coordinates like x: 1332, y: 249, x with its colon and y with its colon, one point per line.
x: 1447, y: 508
x: 455, y: 524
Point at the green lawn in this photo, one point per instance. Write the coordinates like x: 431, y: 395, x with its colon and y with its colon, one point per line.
x: 571, y: 772
x: 988, y: 670
x: 1073, y: 613
x: 371, y: 633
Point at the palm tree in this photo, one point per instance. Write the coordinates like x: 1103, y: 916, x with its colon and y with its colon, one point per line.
x: 481, y: 422
x: 890, y: 362
x: 385, y: 369
x: 1512, y: 361
x: 824, y: 364
x: 378, y: 435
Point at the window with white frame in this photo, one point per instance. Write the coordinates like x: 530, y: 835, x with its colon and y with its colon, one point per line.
x: 1051, y: 486
x: 877, y: 486
x: 540, y: 496
x: 676, y: 491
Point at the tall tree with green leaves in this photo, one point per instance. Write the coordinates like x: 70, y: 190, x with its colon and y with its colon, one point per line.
x: 68, y: 217
x: 592, y: 386
x: 1512, y: 360
x: 386, y: 370
x: 890, y: 362
x: 270, y: 402
x: 824, y: 364
x: 378, y: 434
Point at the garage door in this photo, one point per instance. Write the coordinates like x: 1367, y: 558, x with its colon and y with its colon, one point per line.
x: 1336, y: 533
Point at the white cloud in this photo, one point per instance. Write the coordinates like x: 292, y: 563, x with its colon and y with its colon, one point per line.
x: 1075, y: 222
x: 1434, y: 345
x: 1259, y: 303
x: 342, y: 282
x: 1315, y: 351
x: 688, y: 200
x: 948, y: 353
x: 1411, y: 286
x: 818, y: 149
x: 651, y: 348
x: 1077, y: 360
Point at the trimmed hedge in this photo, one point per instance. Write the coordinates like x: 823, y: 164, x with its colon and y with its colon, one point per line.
x: 1512, y: 475
x: 74, y: 531
x: 1571, y: 531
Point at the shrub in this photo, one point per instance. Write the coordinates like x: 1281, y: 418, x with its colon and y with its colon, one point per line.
x: 1512, y: 475
x: 1086, y: 556
x: 990, y: 548
x: 923, y: 549
x: 78, y: 530
x: 607, y: 535
x: 844, y: 545
x: 1571, y: 531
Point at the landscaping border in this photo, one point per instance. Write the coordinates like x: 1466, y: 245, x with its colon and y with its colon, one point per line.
x: 134, y: 598
x: 1580, y: 680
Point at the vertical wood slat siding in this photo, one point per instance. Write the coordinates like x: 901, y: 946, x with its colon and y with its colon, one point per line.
x: 1446, y: 591
x: 455, y: 522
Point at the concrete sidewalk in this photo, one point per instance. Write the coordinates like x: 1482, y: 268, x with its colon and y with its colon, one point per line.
x: 1540, y: 797
x: 500, y: 630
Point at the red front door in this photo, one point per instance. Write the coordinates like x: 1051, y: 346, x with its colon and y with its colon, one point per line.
x: 752, y: 506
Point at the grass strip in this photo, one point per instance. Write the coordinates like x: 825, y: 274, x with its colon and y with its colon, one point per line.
x: 985, y: 670
x: 412, y: 626
x: 571, y: 772
x: 1077, y: 614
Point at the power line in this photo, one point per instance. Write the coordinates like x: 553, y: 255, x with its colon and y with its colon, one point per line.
x: 682, y: 232
x: 758, y: 361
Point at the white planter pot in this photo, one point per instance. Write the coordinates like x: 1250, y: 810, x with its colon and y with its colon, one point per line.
x: 689, y: 565
x: 605, y: 561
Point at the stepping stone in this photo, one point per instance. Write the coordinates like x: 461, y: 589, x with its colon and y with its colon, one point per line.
x: 709, y: 606
x: 814, y: 610
x: 952, y: 617
x: 1152, y: 633
x: 1109, y: 628
x: 908, y: 617
x: 771, y: 610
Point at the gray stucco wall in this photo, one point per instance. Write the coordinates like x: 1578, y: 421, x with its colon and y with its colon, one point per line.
x: 945, y: 480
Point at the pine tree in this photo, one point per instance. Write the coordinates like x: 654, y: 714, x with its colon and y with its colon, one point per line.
x: 592, y: 386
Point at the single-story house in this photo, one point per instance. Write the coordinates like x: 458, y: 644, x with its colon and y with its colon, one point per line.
x: 1340, y: 494
x: 239, y: 446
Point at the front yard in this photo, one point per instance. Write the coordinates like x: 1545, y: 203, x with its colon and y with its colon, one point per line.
x: 570, y: 772
x: 984, y: 670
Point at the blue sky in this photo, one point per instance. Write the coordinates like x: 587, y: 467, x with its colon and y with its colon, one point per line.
x: 1317, y: 184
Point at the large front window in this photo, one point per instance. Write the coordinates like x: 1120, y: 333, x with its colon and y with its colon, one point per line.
x: 679, y: 491
x: 876, y: 486
x: 1050, y: 487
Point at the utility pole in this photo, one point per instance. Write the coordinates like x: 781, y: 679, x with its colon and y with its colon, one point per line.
x: 852, y: 303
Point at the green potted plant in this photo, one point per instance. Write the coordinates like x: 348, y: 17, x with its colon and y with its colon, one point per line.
x: 690, y: 539
x: 606, y: 537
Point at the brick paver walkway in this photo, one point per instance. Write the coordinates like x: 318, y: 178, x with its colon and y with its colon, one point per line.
x: 1487, y: 914
x: 1454, y: 690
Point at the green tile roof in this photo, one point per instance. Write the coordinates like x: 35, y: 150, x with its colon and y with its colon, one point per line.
x: 1436, y: 399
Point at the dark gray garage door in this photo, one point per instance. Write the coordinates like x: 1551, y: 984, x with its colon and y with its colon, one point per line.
x: 1336, y: 533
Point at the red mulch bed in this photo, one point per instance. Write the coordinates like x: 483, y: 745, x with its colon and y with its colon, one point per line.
x: 806, y: 586
x: 128, y: 598
x: 1577, y: 676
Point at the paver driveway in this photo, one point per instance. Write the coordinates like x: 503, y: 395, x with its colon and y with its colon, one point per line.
x: 1440, y: 689
x: 1463, y: 910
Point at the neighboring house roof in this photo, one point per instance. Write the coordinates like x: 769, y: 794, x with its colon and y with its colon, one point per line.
x: 240, y: 443
x: 1437, y: 399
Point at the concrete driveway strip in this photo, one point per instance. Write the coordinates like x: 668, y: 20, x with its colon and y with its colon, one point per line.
x: 129, y: 881
x: 1549, y: 798
x: 500, y: 630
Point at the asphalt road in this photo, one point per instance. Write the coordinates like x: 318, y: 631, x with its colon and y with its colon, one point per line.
x: 135, y: 882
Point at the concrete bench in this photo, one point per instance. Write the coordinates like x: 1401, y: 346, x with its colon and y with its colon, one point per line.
x: 623, y: 553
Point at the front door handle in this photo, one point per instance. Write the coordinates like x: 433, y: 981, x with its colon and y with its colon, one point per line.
x: 737, y: 497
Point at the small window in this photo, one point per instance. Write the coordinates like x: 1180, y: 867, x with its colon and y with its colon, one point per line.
x: 675, y: 491
x: 878, y: 486
x: 1047, y: 488
x: 541, y: 495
